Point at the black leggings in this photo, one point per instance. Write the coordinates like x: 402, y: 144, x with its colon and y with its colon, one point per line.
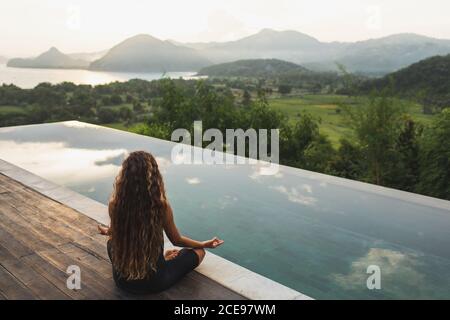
x: 167, y: 273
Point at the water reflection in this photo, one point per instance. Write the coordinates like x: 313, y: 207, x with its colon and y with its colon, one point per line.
x: 294, y: 195
x: 400, y: 274
x: 69, y: 166
x: 308, y: 231
x: 193, y: 180
x: 29, y: 77
x: 114, y: 160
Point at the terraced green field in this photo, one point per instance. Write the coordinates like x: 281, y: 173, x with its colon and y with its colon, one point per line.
x: 9, y: 110
x: 328, y: 108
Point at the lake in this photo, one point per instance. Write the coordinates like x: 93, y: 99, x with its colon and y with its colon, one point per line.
x: 28, y: 77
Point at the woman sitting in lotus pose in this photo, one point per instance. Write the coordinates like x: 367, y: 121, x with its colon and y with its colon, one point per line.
x: 140, y: 212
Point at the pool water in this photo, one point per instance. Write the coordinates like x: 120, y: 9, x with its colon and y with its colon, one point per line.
x: 314, y: 233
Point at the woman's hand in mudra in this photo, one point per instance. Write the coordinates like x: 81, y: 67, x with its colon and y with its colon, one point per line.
x: 104, y: 231
x: 213, y: 243
x: 171, y: 254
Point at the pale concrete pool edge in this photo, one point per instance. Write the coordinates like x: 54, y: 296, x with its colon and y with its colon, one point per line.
x: 230, y: 275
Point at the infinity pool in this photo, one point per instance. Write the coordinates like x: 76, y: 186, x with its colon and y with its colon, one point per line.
x: 311, y: 232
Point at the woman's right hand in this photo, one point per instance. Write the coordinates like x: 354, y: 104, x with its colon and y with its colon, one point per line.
x: 104, y: 231
x: 213, y: 243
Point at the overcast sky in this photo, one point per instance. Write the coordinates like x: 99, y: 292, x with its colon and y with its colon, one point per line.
x: 29, y: 27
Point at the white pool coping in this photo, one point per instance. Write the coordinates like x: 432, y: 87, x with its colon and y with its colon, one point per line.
x: 230, y: 275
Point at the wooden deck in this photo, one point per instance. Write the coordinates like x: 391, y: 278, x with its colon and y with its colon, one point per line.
x: 40, y: 238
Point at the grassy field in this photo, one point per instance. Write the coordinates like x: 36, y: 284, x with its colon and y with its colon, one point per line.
x: 325, y: 107
x: 9, y: 110
x: 121, y: 126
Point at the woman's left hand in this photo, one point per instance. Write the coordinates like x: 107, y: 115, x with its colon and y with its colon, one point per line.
x: 213, y: 243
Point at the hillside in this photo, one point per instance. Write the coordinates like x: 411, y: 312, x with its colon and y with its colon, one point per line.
x: 144, y: 53
x: 374, y: 56
x: 252, y: 68
x: 279, y: 72
x: 53, y: 58
x: 284, y: 45
x: 429, y: 78
x: 388, y: 54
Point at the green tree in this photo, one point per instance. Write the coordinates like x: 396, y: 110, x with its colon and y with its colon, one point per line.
x: 107, y: 115
x: 348, y: 161
x: 82, y: 102
x: 319, y: 154
x: 125, y: 113
x: 435, y: 158
x: 138, y: 107
x: 407, y: 164
x: 129, y: 98
x: 261, y: 116
x: 284, y: 89
x: 116, y: 99
x: 246, y: 98
x: 376, y: 125
x: 170, y: 106
x: 302, y: 146
x: 156, y: 130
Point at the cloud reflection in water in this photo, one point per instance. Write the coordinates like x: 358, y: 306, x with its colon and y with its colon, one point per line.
x: 57, y: 162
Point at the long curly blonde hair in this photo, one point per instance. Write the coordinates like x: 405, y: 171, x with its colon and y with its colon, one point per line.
x: 136, y: 208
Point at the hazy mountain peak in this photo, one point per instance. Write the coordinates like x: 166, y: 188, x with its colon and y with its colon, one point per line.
x: 285, y: 35
x: 52, y: 52
x: 53, y: 49
x: 52, y: 58
x: 145, y: 53
x: 267, y: 31
x: 142, y: 37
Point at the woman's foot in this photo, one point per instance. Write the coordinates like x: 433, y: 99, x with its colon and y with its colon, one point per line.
x: 171, y: 254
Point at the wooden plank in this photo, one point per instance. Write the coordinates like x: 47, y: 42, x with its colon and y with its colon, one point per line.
x: 61, y: 215
x: 101, y: 287
x: 34, y: 237
x: 11, y: 288
x: 13, y: 245
x: 33, y: 219
x: 56, y: 276
x: 34, y: 282
x: 95, y: 247
x: 102, y: 269
x: 3, y: 189
x: 88, y: 257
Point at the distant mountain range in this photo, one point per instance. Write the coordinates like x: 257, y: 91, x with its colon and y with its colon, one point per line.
x: 375, y: 56
x: 53, y: 58
x: 144, y: 53
x: 285, y: 45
